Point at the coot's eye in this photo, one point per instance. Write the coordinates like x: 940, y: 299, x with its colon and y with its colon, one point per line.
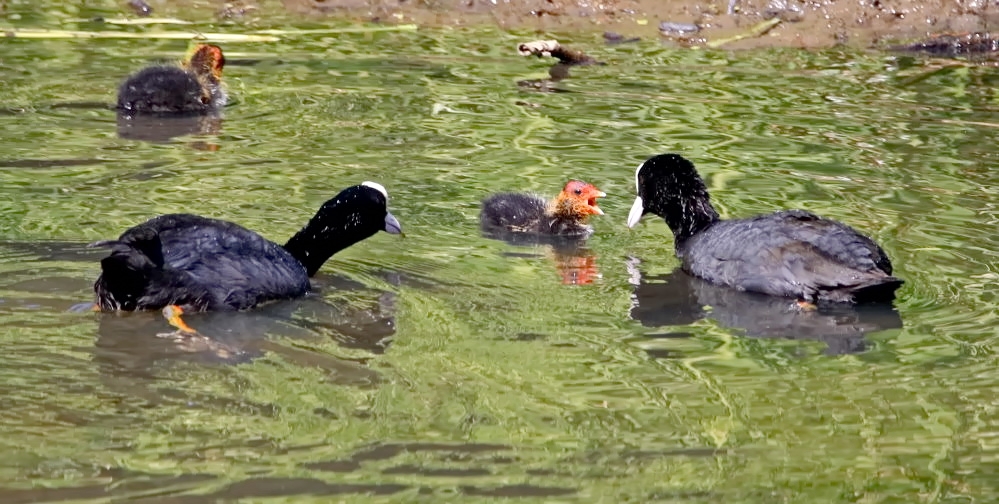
x: 578, y: 192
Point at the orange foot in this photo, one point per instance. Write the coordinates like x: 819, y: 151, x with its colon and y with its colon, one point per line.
x: 172, y: 313
x: 805, y: 305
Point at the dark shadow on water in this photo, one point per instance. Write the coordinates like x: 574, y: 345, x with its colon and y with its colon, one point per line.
x: 575, y: 263
x: 360, y: 319
x: 473, y: 460
x: 171, y: 490
x: 557, y: 72
x: 517, y: 491
x: 127, y: 483
x: 163, y: 128
x: 388, y: 451
x: 278, y: 487
x: 135, y: 353
x: 50, y: 163
x: 680, y: 299
x: 47, y: 251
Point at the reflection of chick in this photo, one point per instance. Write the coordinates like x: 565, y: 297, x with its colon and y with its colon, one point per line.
x: 566, y: 215
x: 194, y: 87
x: 576, y: 267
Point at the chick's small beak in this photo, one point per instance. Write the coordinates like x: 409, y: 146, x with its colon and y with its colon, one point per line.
x: 392, y: 225
x: 636, y: 213
x: 592, y: 201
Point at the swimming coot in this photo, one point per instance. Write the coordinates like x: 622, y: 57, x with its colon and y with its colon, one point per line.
x: 185, y: 262
x: 194, y: 87
x: 565, y: 215
x: 790, y: 253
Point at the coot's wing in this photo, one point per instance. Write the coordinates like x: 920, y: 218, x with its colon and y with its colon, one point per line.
x: 791, y: 254
x: 237, y: 266
x: 839, y: 242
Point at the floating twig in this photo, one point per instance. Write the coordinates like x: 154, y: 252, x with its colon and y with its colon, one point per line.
x: 30, y: 33
x: 552, y: 48
x: 353, y: 29
x: 567, y: 58
x: 259, y: 36
x: 755, y: 31
x: 969, y: 123
x: 131, y: 21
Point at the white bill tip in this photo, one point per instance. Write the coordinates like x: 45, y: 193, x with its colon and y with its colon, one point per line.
x: 636, y: 213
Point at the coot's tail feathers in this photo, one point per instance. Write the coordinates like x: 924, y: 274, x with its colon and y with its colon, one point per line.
x: 135, y: 262
x: 140, y: 241
x: 881, y: 290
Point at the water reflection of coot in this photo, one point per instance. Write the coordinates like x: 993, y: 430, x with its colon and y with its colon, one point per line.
x: 354, y: 316
x: 134, y: 360
x: 680, y: 299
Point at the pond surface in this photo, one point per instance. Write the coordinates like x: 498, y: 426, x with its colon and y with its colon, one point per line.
x: 449, y: 366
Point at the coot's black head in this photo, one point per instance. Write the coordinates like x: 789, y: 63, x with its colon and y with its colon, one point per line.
x: 668, y: 185
x: 358, y: 212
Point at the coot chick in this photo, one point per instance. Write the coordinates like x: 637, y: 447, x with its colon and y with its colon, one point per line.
x: 185, y: 262
x: 565, y: 215
x: 789, y: 253
x: 194, y: 87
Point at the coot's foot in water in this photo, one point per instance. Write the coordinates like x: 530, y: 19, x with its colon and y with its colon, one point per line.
x: 172, y: 313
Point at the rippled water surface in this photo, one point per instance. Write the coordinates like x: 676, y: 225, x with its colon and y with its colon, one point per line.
x: 448, y: 366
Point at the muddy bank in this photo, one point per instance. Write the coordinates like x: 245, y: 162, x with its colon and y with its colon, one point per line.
x: 813, y: 23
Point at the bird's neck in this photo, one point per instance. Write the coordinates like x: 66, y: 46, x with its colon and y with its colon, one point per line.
x: 566, y: 209
x: 315, y: 244
x: 688, y: 216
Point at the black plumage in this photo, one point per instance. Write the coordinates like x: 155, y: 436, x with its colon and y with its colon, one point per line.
x: 192, y: 88
x: 790, y: 253
x: 162, y: 89
x: 202, y: 264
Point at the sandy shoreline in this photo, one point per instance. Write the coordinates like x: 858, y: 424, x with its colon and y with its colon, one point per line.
x: 811, y: 24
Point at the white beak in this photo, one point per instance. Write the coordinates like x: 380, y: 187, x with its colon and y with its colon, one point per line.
x: 636, y: 213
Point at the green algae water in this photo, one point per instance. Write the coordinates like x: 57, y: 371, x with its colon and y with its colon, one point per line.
x: 445, y: 366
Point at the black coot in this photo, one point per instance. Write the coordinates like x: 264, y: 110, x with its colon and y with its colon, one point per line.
x: 197, y: 264
x: 790, y: 253
x: 195, y: 87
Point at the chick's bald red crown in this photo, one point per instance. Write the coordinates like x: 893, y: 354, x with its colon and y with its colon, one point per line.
x: 582, y: 196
